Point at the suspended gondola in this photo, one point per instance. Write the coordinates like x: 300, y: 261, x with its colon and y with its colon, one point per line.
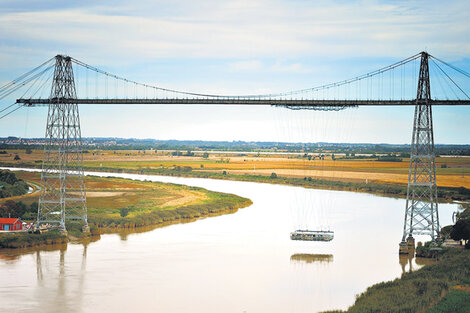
x: 312, y: 235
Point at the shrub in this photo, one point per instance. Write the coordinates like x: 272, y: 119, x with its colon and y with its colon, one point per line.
x: 461, y: 231
x: 124, y: 212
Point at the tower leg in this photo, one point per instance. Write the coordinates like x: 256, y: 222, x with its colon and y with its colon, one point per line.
x: 62, y: 195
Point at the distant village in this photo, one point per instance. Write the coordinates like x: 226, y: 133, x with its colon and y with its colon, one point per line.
x: 245, y: 146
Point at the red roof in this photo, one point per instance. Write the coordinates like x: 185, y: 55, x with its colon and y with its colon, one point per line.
x: 8, y: 220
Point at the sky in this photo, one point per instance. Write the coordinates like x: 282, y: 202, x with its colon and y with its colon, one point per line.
x: 236, y: 47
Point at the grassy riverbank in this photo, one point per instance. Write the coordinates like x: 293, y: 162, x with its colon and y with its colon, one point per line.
x: 443, y: 287
x: 116, y: 204
x: 25, y: 240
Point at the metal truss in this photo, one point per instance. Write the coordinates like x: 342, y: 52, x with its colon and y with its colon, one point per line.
x: 63, y: 188
x: 421, y: 216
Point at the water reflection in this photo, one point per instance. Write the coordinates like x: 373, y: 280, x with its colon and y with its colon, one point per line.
x: 67, y: 298
x: 408, y: 262
x: 311, y: 258
x: 404, y: 260
x: 8, y: 255
x: 39, y: 274
x: 123, y: 235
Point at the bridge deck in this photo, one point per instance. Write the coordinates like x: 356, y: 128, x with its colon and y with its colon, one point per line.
x: 244, y: 101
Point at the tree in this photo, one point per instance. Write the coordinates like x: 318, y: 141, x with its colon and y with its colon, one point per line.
x: 273, y: 175
x: 124, y: 212
x: 12, y: 209
x: 33, y: 207
x: 31, y: 211
x: 205, y: 155
x: 4, y: 212
x: 8, y: 177
x: 17, y: 157
x: 461, y: 231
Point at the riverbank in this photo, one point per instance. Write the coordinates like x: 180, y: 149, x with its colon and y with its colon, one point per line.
x: 443, y: 287
x: 27, y: 240
x: 116, y: 204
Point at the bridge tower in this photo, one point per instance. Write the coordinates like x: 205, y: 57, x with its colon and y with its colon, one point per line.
x: 63, y: 188
x: 421, y: 213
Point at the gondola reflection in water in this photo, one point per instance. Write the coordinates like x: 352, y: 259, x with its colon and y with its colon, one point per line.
x: 312, y: 235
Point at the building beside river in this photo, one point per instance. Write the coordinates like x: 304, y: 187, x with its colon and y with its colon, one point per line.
x: 10, y: 224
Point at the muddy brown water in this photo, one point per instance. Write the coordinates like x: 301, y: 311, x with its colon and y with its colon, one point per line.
x: 241, y: 262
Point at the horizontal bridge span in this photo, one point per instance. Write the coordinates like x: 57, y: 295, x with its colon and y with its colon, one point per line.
x: 244, y: 101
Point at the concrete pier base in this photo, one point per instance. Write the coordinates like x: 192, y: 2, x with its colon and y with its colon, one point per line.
x: 403, y: 249
x: 408, y: 246
x: 411, y: 242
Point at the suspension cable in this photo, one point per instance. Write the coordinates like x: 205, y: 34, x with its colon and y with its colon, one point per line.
x: 450, y: 79
x: 271, y: 95
x: 452, y: 67
x: 15, y: 81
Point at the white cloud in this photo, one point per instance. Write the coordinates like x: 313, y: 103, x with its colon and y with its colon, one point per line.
x: 249, y: 29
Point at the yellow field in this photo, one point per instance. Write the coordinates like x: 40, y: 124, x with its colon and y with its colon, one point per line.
x: 451, y: 171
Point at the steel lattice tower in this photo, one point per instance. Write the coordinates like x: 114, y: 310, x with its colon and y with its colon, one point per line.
x: 63, y: 188
x: 421, y: 216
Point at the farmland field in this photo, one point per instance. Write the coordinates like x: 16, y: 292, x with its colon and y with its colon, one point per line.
x: 452, y: 171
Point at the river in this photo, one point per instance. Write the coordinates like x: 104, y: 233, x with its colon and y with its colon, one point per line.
x: 241, y: 262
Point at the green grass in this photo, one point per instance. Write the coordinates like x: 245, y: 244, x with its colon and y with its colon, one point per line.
x: 456, y: 301
x: 25, y: 240
x: 154, y: 203
x: 217, y: 203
